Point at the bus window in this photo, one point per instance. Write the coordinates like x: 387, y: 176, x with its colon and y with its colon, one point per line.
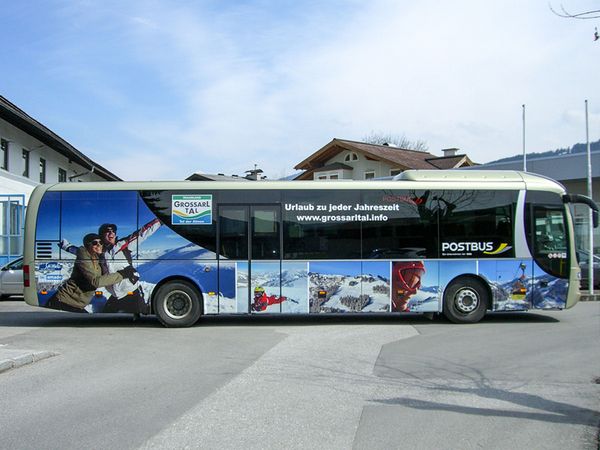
x: 476, y: 223
x: 84, y: 212
x: 265, y: 232
x: 233, y: 232
x: 546, y: 231
x: 321, y: 224
x: 410, y: 228
x: 547, y: 236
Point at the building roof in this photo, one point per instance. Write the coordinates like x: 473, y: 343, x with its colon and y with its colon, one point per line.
x: 400, y: 158
x: 21, y: 120
x: 561, y: 167
x: 451, y: 162
x: 214, y: 177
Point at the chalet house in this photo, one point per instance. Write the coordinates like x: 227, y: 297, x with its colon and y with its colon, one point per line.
x: 350, y: 160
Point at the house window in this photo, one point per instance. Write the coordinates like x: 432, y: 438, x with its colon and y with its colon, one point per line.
x: 328, y: 175
x: 25, y: 163
x: 42, y: 170
x: 4, y: 154
x: 351, y: 157
x: 369, y: 175
x: 394, y: 172
x: 62, y: 175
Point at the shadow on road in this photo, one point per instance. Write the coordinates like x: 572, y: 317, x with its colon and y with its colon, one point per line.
x: 41, y: 317
x: 548, y: 410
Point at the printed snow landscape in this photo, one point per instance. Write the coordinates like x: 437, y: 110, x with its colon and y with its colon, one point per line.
x: 349, y: 287
x: 525, y: 288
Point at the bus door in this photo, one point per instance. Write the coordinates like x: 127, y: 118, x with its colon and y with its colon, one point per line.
x: 548, y: 240
x: 250, y: 239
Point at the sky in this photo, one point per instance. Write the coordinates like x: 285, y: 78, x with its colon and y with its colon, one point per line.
x: 158, y: 90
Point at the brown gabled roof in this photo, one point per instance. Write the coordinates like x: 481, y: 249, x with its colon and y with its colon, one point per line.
x: 21, y: 120
x: 451, y: 162
x: 398, y: 157
x: 214, y: 177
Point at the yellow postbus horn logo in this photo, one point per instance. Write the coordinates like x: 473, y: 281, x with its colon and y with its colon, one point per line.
x: 501, y: 249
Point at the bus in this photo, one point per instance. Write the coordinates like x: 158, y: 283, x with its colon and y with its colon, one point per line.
x: 459, y: 243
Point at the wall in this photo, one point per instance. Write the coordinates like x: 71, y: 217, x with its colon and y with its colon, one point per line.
x: 15, y: 188
x: 18, y: 140
x: 362, y: 165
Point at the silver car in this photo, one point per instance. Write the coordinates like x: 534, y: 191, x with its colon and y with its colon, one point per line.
x: 584, y: 263
x: 11, y: 279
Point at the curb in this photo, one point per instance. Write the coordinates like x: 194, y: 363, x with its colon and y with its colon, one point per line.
x: 22, y: 359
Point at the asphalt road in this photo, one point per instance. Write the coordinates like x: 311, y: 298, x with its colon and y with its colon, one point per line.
x: 511, y: 381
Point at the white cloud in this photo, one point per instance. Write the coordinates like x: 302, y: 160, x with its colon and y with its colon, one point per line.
x: 249, y: 84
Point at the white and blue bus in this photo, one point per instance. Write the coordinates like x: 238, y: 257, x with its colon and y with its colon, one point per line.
x: 459, y: 243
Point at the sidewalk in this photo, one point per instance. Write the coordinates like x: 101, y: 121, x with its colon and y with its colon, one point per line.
x: 586, y: 297
x: 11, y: 359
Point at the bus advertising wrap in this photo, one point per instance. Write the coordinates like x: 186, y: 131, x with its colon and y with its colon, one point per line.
x: 107, y: 251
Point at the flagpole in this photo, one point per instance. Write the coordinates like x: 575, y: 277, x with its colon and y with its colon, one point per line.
x: 589, y: 193
x: 524, y: 154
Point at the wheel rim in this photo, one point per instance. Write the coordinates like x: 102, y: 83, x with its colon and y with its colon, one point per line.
x: 466, y: 300
x: 178, y: 304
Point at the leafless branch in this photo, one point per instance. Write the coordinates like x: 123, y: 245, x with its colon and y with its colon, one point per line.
x: 593, y: 14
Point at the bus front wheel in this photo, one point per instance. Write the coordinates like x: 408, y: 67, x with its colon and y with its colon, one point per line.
x: 465, y: 301
x: 177, y: 304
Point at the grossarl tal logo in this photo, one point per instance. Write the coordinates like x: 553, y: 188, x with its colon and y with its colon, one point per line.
x: 487, y: 248
x: 191, y: 209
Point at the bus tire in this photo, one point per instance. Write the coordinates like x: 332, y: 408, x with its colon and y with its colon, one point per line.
x: 465, y: 300
x: 177, y: 304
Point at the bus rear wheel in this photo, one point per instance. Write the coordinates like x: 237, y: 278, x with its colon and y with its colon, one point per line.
x: 465, y: 301
x: 177, y: 304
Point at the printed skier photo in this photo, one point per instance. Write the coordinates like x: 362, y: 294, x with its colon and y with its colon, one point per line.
x: 110, y: 245
x: 265, y: 287
x: 415, y: 286
x: 101, y: 232
x: 336, y: 286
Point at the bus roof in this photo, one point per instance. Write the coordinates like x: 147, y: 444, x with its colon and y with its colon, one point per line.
x: 410, y: 179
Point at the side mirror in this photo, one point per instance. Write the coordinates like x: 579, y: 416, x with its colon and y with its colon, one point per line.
x: 578, y: 198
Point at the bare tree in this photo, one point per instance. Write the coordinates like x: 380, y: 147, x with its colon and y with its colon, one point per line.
x: 396, y: 140
x: 592, y: 14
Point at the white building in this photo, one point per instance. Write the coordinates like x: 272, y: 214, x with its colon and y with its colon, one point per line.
x: 31, y: 154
